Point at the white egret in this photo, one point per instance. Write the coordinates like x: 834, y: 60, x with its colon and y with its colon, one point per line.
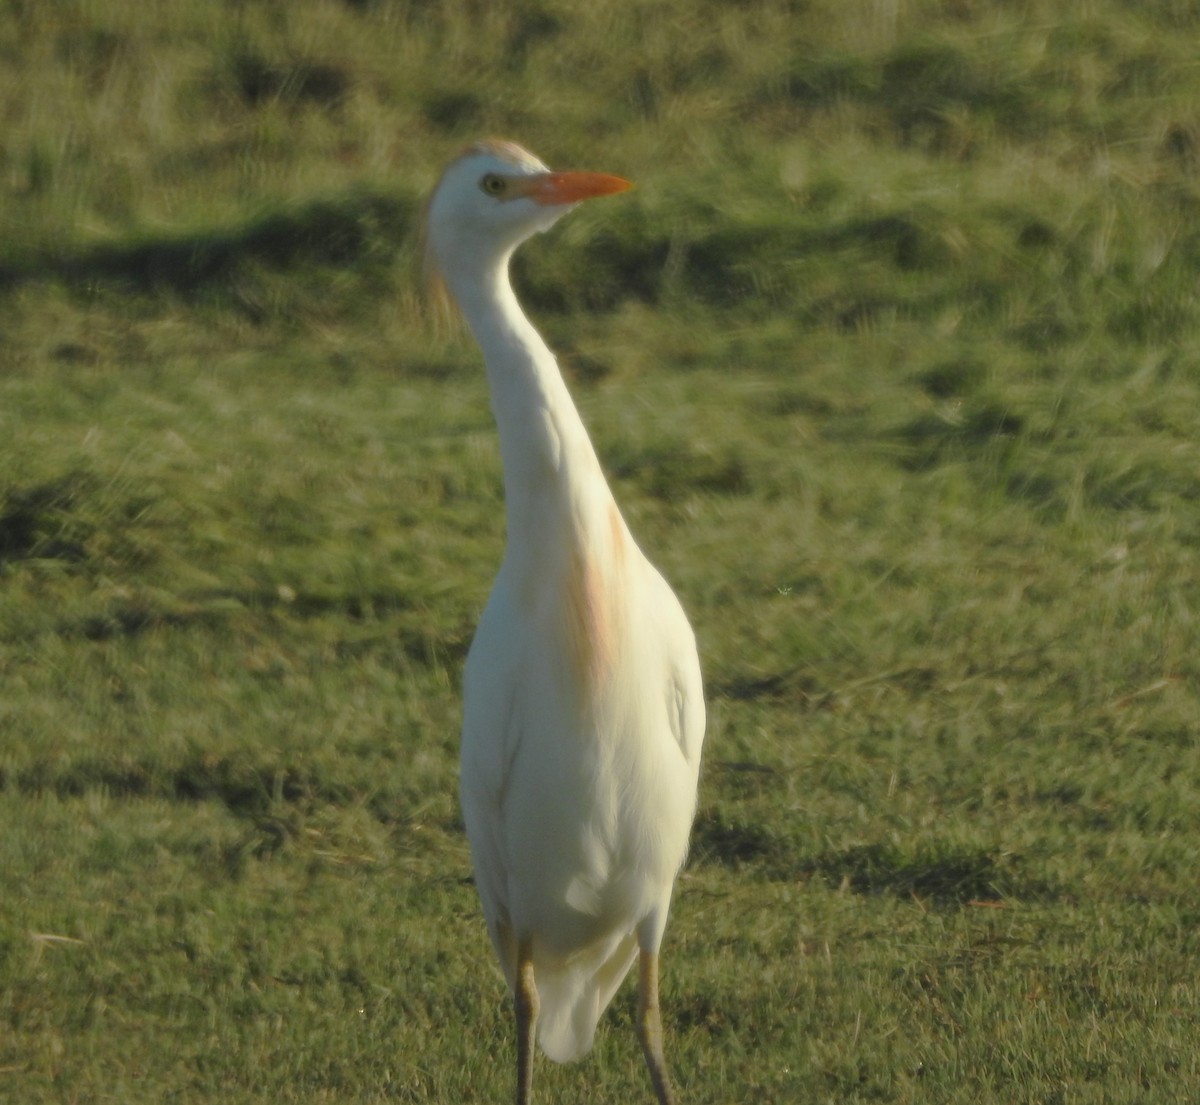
x: 583, y: 708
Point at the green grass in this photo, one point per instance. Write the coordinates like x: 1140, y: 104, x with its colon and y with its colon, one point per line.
x: 892, y: 359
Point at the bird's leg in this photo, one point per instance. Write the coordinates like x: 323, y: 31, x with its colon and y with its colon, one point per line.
x: 649, y: 1025
x: 527, y: 1004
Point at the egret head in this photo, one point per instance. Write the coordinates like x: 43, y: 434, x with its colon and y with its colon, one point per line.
x: 492, y: 197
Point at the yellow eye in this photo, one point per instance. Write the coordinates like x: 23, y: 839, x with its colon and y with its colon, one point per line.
x: 493, y: 184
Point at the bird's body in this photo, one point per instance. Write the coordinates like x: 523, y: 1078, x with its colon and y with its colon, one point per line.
x: 583, y: 708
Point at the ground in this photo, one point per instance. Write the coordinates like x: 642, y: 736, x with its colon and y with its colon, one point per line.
x: 891, y: 357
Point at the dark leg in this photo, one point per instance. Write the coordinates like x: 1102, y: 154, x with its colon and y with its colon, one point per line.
x: 650, y: 1027
x: 527, y: 1004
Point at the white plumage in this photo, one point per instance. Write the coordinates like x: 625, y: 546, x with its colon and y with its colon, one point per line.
x: 583, y: 707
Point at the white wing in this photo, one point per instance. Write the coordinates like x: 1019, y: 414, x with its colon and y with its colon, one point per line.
x: 578, y: 809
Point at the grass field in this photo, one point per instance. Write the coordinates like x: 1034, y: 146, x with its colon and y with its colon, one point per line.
x: 893, y: 358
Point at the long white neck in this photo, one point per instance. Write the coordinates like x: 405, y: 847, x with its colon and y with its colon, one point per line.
x: 552, y: 479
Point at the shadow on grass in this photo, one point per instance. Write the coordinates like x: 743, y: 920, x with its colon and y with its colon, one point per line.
x: 388, y: 630
x: 248, y: 788
x: 340, y: 231
x: 941, y: 874
x: 946, y: 875
x: 269, y: 799
x: 42, y: 520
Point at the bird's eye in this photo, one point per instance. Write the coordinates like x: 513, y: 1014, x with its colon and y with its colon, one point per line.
x: 493, y: 184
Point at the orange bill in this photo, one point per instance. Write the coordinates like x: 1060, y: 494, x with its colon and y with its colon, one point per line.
x: 552, y: 189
